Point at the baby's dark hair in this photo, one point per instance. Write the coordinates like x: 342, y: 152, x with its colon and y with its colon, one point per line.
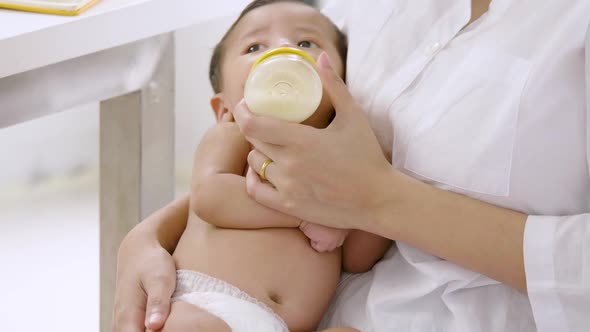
x: 217, y: 58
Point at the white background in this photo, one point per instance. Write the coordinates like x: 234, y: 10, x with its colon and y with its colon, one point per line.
x: 49, y: 199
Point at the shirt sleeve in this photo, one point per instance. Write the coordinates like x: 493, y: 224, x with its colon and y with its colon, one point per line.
x: 557, y: 259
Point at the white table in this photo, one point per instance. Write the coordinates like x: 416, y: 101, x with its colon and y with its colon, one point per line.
x: 120, y: 52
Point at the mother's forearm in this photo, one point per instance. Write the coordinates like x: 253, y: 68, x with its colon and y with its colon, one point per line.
x: 473, y: 234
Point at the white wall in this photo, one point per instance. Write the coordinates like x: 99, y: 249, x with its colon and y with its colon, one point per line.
x: 66, y: 144
x: 51, y: 146
x: 49, y: 199
x: 194, y: 115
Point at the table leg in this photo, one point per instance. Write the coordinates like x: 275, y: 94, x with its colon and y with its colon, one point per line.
x: 136, y: 167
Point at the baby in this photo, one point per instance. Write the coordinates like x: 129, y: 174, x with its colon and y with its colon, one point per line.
x: 256, y: 268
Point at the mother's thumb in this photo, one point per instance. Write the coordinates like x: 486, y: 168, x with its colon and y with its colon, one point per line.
x: 334, y: 86
x: 159, y: 294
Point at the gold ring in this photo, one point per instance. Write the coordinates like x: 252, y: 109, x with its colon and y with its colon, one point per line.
x: 263, y: 169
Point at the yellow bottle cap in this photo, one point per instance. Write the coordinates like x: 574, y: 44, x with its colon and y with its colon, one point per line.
x: 284, y: 51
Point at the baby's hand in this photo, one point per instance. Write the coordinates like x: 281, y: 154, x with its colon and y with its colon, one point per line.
x: 323, y: 239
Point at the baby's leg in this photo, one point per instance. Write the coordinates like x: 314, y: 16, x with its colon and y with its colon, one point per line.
x: 185, y: 317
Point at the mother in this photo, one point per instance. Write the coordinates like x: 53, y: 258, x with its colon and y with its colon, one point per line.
x: 483, y: 109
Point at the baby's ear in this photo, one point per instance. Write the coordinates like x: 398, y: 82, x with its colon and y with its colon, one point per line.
x: 219, y: 106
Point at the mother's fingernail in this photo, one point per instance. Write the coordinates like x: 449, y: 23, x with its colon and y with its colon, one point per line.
x: 324, y: 61
x: 155, y: 318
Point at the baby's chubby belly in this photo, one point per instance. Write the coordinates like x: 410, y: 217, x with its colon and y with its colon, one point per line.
x: 277, y: 266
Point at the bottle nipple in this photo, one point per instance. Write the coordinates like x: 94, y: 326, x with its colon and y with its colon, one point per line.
x: 283, y: 89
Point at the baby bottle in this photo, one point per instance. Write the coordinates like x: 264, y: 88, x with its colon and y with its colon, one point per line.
x: 284, y: 84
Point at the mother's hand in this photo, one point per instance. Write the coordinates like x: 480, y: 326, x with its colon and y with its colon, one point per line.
x: 331, y: 176
x: 146, y: 278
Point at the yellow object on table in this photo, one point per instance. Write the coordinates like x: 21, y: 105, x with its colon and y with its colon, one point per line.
x: 55, y: 7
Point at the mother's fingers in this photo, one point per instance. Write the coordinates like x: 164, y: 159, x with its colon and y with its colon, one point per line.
x: 266, y: 129
x: 257, y: 161
x: 129, y: 311
x: 159, y: 286
x: 334, y: 86
x: 262, y: 192
x: 128, y: 322
x: 158, y: 303
x: 271, y: 151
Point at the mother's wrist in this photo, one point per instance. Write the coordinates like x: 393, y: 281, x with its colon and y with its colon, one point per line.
x: 397, y: 194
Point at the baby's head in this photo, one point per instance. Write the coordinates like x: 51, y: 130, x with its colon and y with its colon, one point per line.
x: 265, y: 25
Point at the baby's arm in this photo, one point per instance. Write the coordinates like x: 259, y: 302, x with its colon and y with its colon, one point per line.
x: 218, y: 188
x: 362, y: 250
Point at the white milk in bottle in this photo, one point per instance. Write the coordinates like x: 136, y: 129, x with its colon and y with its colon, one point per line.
x: 284, y: 84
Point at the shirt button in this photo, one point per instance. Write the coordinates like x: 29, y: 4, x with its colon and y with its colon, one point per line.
x: 433, y: 49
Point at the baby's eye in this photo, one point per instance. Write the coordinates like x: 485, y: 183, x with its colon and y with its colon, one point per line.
x: 307, y: 44
x: 254, y: 48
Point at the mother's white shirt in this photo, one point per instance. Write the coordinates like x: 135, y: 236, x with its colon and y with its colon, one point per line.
x: 498, y: 111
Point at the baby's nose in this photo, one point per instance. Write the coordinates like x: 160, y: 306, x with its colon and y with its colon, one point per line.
x: 286, y: 43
